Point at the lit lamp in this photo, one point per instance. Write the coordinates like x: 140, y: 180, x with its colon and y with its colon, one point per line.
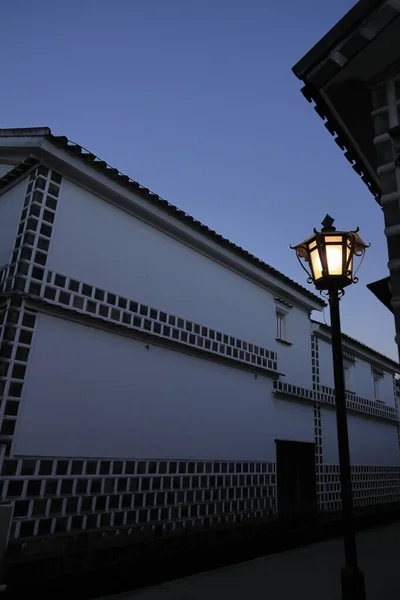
x: 330, y: 257
x: 329, y: 254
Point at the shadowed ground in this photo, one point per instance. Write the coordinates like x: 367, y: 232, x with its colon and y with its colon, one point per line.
x: 312, y: 572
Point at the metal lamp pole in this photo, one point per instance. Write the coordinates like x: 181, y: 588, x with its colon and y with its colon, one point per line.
x: 353, y: 586
x: 329, y: 255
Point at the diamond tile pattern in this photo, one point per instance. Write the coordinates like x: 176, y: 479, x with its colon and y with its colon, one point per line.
x: 87, y: 299
x: 50, y: 494
x: 317, y: 417
x: 371, y: 486
x: 396, y: 393
x: 326, y: 395
x: 56, y: 496
x: 17, y: 324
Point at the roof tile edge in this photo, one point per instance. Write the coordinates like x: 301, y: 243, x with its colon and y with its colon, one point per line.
x: 345, y: 336
x: 126, y: 181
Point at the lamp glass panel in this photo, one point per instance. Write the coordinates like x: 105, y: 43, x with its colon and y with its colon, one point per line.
x: 316, y: 265
x: 334, y: 254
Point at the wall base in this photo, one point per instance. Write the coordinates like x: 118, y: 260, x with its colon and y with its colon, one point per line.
x: 94, y: 573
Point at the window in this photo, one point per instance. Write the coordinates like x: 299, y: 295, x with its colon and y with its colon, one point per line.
x: 378, y: 378
x: 348, y: 369
x: 348, y: 375
x: 347, y: 385
x: 281, y: 326
x: 282, y: 308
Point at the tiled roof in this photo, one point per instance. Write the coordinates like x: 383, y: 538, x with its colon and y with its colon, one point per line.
x: 112, y: 173
x: 380, y: 356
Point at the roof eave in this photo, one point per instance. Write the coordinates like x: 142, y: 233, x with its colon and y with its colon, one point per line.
x: 346, y: 143
x: 354, y: 17
x: 347, y: 41
x: 299, y: 294
x: 47, y: 147
x: 363, y: 348
x: 21, y: 132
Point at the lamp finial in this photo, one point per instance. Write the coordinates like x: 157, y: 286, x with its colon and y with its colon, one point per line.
x: 327, y: 224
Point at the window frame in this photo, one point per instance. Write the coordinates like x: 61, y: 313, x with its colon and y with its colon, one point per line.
x: 377, y: 378
x: 281, y: 325
x: 348, y: 368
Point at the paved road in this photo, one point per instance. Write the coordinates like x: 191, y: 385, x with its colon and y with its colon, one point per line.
x: 312, y: 572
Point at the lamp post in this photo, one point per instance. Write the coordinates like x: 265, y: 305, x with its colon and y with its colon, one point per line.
x: 329, y: 254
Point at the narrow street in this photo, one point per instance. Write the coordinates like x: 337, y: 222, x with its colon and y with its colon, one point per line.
x: 312, y: 572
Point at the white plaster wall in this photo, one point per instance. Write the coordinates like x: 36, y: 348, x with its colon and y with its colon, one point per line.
x: 91, y: 393
x: 97, y: 243
x: 325, y: 363
x: 10, y: 212
x: 295, y: 361
x: 372, y: 441
x: 387, y: 389
x: 362, y: 382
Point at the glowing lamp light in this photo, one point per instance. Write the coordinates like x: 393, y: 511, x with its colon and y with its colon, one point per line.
x: 329, y: 256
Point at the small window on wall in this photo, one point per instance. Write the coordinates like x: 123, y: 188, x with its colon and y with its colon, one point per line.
x: 378, y: 379
x: 348, y: 366
x: 283, y: 309
x: 281, y: 327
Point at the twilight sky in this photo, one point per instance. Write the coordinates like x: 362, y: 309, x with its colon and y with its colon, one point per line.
x: 195, y: 99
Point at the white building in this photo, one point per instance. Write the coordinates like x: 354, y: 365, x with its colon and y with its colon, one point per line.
x: 155, y: 378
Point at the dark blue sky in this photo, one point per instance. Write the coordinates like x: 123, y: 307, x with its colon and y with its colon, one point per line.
x: 196, y: 100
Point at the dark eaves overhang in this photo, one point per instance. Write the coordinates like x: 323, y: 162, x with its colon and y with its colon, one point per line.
x: 346, y: 25
x: 337, y: 72
x: 383, y: 291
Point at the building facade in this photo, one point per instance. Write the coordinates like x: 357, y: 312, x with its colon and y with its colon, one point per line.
x: 352, y: 76
x: 157, y: 380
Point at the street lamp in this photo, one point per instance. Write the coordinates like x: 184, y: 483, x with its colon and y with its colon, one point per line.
x: 329, y: 254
